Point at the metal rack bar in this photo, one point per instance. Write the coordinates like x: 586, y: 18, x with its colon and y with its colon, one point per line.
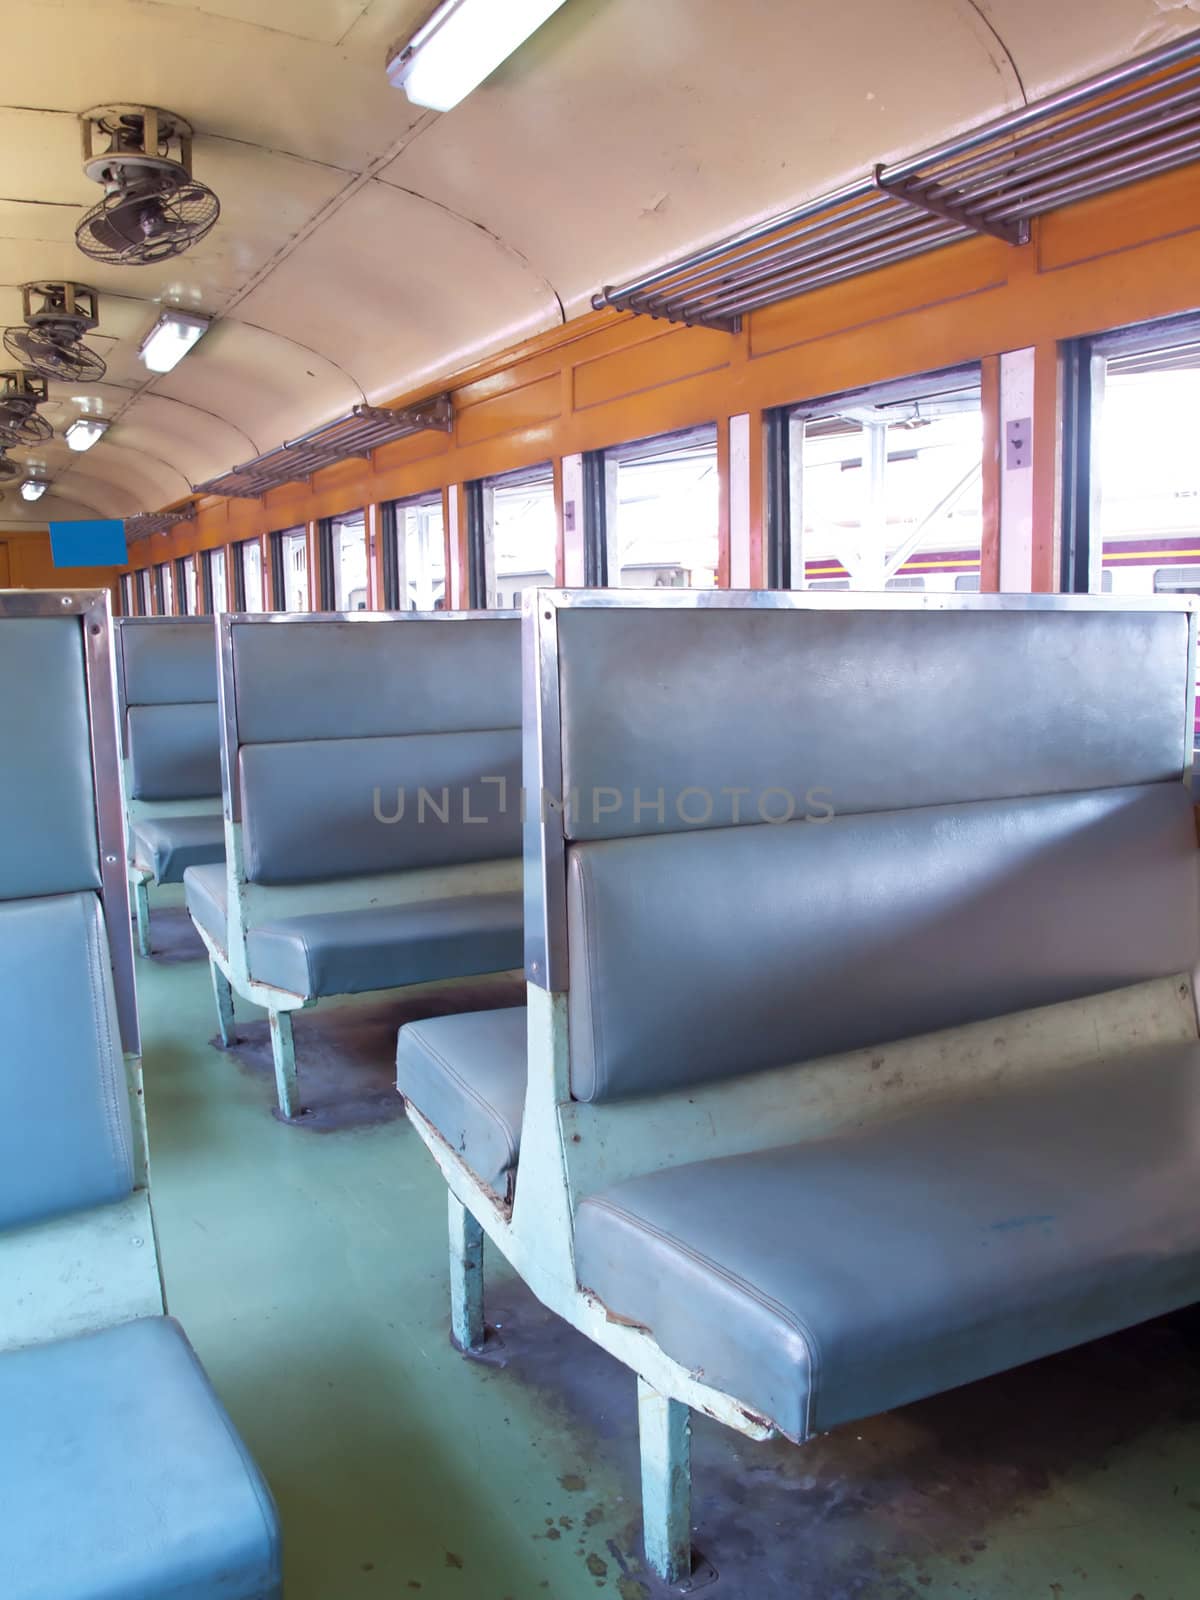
x: 358, y: 433
x: 1133, y: 121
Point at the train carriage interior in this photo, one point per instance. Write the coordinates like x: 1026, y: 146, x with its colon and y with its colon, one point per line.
x: 599, y: 913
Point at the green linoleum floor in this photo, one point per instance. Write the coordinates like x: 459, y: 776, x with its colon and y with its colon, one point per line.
x: 309, y: 1271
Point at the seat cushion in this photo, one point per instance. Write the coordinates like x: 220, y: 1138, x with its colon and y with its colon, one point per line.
x: 206, y: 891
x: 122, y: 1477
x: 835, y: 1279
x: 65, y: 1137
x: 466, y: 1074
x: 167, y: 846
x: 386, y: 947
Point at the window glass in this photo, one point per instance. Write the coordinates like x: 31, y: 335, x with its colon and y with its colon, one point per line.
x: 663, y: 512
x: 886, y: 488
x: 349, y: 563
x: 127, y: 595
x: 250, y: 555
x: 1146, y: 494
x: 524, y: 533
x: 167, y: 579
x: 218, y: 580
x: 189, y: 581
x: 420, y: 554
x: 295, y: 570
x: 143, y: 579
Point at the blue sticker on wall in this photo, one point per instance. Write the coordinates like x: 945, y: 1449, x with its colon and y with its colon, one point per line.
x: 95, y: 542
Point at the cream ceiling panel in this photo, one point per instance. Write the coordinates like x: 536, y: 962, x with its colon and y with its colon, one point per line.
x: 326, y: 21
x: 17, y: 515
x: 231, y: 78
x: 429, y: 290
x: 148, y: 481
x: 268, y: 386
x: 190, y: 439
x: 1056, y: 45
x: 596, y: 158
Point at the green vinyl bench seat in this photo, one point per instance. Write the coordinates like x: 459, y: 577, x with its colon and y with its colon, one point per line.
x: 324, y: 953
x: 206, y: 893
x: 167, y: 846
x: 122, y: 1478
x: 387, y: 947
x: 840, y: 1101
x: 466, y: 1076
x: 826, y: 1281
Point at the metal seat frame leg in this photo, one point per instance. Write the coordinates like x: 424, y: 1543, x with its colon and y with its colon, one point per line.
x: 665, y: 1435
x: 141, y: 907
x: 223, y: 995
x: 466, y: 1278
x: 283, y: 1052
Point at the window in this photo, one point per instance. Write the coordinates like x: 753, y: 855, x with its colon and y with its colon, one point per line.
x: 165, y: 586
x: 882, y: 488
x: 189, y: 586
x: 662, y: 500
x: 1140, y: 488
x: 418, y: 549
x: 127, y: 595
x: 513, y: 531
x: 218, y: 588
x: 249, y: 559
x: 293, y: 549
x: 145, y: 608
x: 350, y: 587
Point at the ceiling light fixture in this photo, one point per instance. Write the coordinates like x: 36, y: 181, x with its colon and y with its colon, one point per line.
x: 84, y: 432
x: 463, y: 42
x: 171, y: 337
x: 33, y: 488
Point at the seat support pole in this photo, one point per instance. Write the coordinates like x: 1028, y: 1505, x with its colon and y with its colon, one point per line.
x: 665, y: 1432
x: 141, y: 906
x: 283, y: 1051
x: 223, y: 995
x: 466, y: 1278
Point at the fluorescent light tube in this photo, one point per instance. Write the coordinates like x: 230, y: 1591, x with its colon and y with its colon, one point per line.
x: 84, y: 432
x: 33, y: 488
x: 462, y: 44
x: 170, y: 339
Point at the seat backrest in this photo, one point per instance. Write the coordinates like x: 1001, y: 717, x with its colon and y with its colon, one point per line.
x: 376, y: 745
x: 66, y: 1140
x: 973, y: 811
x: 167, y: 672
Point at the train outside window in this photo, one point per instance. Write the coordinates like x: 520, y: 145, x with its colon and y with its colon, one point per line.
x: 886, y: 487
x: 1146, y: 469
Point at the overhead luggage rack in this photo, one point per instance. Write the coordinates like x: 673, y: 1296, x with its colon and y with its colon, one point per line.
x: 145, y: 523
x: 1127, y: 123
x: 356, y: 434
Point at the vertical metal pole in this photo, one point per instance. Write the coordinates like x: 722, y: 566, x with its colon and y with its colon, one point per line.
x: 466, y: 1277
x: 665, y: 1432
x: 141, y: 905
x: 283, y: 1051
x: 223, y: 995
